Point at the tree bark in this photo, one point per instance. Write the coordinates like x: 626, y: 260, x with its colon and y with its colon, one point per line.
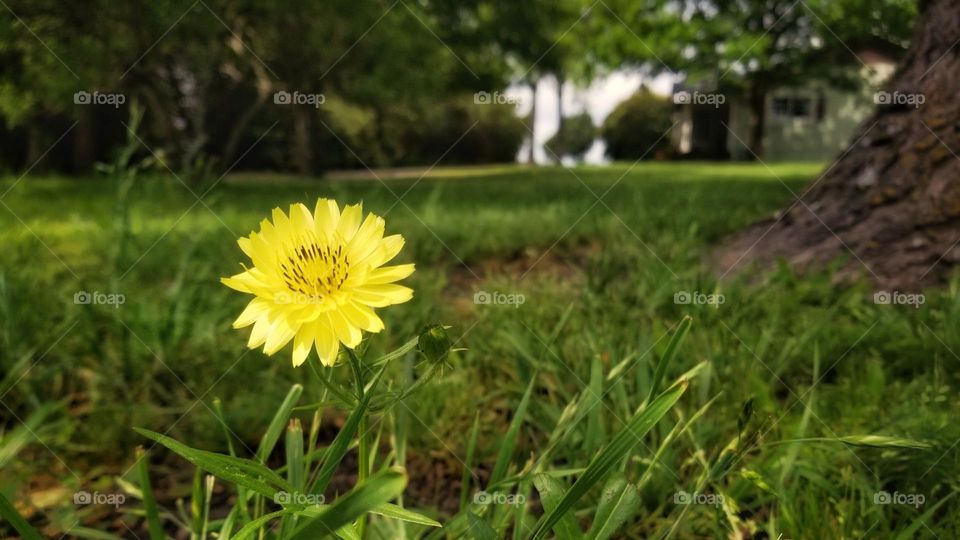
x: 302, y: 158
x: 890, y: 204
x: 533, y: 122
x: 758, y: 119
x: 559, y: 109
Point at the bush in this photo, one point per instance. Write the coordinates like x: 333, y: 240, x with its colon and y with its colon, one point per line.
x: 416, y: 138
x: 637, y: 126
x: 574, y: 138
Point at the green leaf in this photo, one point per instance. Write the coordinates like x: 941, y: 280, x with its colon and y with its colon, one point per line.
x: 249, y: 529
x: 510, y: 439
x: 341, y: 443
x: 621, y: 445
x: 398, y: 512
x: 376, y: 490
x: 911, y: 531
x: 243, y: 472
x: 398, y: 353
x: 618, y: 503
x: 480, y: 529
x: 17, y: 438
x: 551, y: 490
x: 149, y: 502
x: 294, y: 451
x: 593, y: 396
x: 468, y: 464
x: 279, y: 422
x: 348, y: 532
x: 11, y: 515
x: 668, y: 356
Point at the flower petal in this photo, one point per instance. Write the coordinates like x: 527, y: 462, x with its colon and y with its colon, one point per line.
x: 382, y: 295
x: 255, y: 310
x: 259, y: 333
x: 367, y: 239
x: 280, y: 334
x: 389, y: 274
x: 303, y: 343
x: 362, y: 317
x: 347, y: 333
x: 350, y: 221
x: 326, y: 215
x: 326, y: 342
x: 300, y: 218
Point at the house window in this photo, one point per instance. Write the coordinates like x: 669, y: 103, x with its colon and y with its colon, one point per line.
x: 792, y: 107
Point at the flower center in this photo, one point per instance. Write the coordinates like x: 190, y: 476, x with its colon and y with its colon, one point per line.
x: 314, y: 270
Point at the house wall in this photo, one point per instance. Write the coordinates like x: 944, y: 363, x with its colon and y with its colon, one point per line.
x: 810, y: 137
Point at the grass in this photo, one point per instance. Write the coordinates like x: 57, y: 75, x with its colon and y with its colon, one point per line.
x: 817, y: 360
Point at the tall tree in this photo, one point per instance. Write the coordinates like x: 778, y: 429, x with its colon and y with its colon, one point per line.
x: 890, y: 204
x: 752, y: 47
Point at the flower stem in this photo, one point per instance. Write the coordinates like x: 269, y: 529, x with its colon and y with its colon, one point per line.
x: 363, y: 467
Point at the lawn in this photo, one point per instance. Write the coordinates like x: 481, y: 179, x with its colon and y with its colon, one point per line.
x: 593, y: 258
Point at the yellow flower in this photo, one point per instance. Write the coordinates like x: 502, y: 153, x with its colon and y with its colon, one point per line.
x: 316, y: 279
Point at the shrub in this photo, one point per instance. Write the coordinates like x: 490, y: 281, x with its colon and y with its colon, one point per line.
x: 574, y: 138
x: 636, y: 127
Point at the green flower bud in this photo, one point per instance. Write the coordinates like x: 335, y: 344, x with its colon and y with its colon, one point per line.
x: 434, y: 343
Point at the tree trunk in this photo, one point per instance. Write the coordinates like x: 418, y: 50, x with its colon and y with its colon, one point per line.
x: 302, y: 157
x: 890, y: 204
x: 533, y: 122
x: 559, y: 109
x: 83, y: 137
x: 758, y: 119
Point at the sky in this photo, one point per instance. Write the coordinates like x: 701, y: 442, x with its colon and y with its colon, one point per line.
x: 599, y: 99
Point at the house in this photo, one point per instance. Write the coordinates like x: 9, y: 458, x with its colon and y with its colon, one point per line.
x: 814, y: 121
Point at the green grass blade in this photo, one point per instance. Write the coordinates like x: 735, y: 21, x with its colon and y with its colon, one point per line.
x: 675, y: 341
x: 279, y: 422
x: 243, y: 472
x: 480, y: 529
x: 149, y: 502
x: 14, y: 518
x: 196, y: 505
x: 376, y: 490
x: 341, y: 443
x: 619, y: 502
x: 551, y: 490
x: 510, y: 439
x: 471, y: 449
x: 911, y: 531
x: 248, y: 530
x: 294, y: 451
x: 398, y: 512
x: 594, y: 435
x: 621, y: 444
